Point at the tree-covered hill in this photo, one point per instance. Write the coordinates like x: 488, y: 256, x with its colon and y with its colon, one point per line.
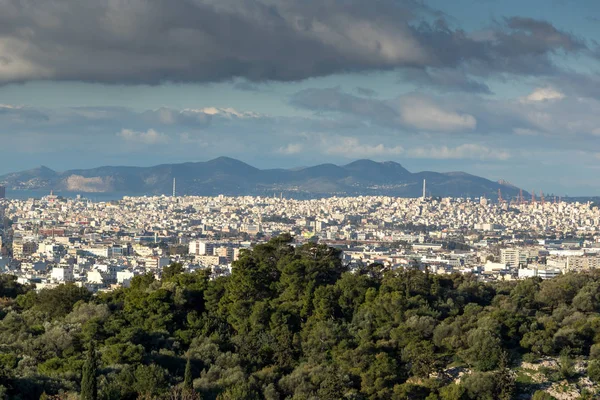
x: 294, y: 323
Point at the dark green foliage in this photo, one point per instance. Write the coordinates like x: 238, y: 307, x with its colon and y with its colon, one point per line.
x: 293, y: 322
x: 171, y: 271
x: 541, y: 395
x: 56, y: 302
x: 566, y: 365
x: 9, y: 287
x: 505, y: 378
x: 482, y: 386
x: 150, y: 380
x: 89, y: 383
x: 593, y: 371
x: 188, y: 379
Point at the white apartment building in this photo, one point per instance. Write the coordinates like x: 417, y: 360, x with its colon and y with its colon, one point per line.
x: 585, y: 262
x: 513, y: 257
x: 156, y: 262
x: 103, y: 252
x: 124, y: 277
x: 201, y: 248
x: 542, y: 272
x: 62, y: 274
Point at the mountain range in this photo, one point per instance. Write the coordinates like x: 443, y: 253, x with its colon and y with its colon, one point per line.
x: 228, y: 176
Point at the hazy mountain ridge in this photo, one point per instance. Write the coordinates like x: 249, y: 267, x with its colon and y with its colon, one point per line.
x: 228, y: 176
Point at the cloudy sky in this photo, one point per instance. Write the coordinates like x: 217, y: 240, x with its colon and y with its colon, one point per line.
x: 503, y: 89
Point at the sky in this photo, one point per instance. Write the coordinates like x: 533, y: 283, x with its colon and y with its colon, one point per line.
x: 501, y: 89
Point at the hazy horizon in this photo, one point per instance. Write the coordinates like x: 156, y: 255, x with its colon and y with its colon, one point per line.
x: 503, y: 90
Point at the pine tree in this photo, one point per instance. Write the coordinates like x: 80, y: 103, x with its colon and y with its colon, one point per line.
x: 505, y: 379
x: 89, y: 385
x: 188, y: 380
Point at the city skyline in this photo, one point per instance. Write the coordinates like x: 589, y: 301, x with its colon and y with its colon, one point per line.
x: 505, y: 91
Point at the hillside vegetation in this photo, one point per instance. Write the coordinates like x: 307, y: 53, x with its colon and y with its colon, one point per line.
x: 294, y: 323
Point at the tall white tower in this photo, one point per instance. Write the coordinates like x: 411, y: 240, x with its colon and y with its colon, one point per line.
x: 174, y: 186
x: 424, y: 188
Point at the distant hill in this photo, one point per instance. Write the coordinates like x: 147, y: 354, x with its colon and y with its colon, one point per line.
x: 228, y: 176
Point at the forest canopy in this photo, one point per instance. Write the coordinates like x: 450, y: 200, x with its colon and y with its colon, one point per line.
x: 294, y: 323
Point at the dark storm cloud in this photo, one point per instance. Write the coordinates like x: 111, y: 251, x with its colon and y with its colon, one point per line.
x: 142, y: 41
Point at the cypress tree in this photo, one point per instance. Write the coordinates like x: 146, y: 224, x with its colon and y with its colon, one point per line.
x: 505, y: 379
x: 89, y: 384
x: 188, y: 380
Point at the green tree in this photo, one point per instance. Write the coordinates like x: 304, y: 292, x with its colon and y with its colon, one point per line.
x: 482, y: 386
x: 171, y: 271
x: 188, y: 380
x: 566, y: 365
x: 56, y: 302
x: 150, y: 380
x: 484, y: 349
x: 506, y: 380
x: 89, y: 383
x: 452, y: 392
x: 593, y: 370
x: 541, y: 395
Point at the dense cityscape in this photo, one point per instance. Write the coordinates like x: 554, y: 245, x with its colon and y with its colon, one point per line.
x: 103, y: 245
x: 72, y: 263
x: 299, y: 200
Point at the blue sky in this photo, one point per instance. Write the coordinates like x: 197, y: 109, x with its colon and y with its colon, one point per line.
x: 503, y: 89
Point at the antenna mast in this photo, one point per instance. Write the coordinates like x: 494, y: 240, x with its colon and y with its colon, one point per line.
x: 521, y: 197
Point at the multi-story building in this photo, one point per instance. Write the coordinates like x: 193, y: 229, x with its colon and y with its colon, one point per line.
x: 201, y: 248
x: 539, y: 271
x: 515, y: 257
x: 228, y: 252
x: 584, y: 262
x: 156, y: 262
x: 23, y: 249
x: 210, y: 260
x: 100, y: 251
x: 62, y: 274
x: 124, y: 277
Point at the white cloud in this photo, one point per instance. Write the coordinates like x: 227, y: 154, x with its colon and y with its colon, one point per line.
x: 166, y: 115
x: 224, y: 112
x: 150, y: 137
x: 423, y: 114
x: 292, y: 148
x: 464, y: 151
x: 352, y: 147
x: 10, y: 107
x: 543, y: 94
